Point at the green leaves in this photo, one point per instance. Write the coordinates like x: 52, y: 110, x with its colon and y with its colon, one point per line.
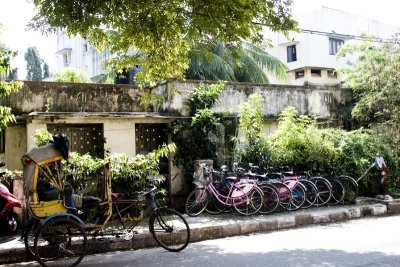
x: 374, y: 79
x: 161, y: 32
x: 194, y: 137
x: 71, y: 75
x: 233, y: 62
x: 6, y: 87
x: 34, y: 65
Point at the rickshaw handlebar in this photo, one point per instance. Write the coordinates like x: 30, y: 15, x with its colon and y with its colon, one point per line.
x: 146, y: 192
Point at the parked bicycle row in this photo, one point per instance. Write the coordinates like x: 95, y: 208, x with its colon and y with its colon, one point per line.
x: 254, y: 191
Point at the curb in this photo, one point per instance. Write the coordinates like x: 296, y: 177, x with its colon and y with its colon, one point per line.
x: 207, y: 227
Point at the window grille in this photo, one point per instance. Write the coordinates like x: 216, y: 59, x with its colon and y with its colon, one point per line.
x: 150, y: 137
x: 83, y: 138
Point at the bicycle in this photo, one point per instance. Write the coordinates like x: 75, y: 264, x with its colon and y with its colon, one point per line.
x: 292, y: 193
x: 245, y: 198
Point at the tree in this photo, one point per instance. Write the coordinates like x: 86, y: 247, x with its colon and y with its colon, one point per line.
x: 375, y: 81
x: 71, y: 75
x: 46, y: 72
x: 6, y: 87
x: 218, y: 62
x: 161, y: 32
x: 33, y: 64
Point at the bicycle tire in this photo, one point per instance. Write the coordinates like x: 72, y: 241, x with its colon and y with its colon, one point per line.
x: 271, y: 199
x: 196, y: 202
x: 285, y: 195
x: 214, y: 206
x: 298, y: 197
x: 324, y: 190
x: 350, y: 187
x: 338, y: 192
x: 30, y: 230
x: 170, y: 229
x: 249, y: 204
x: 311, y: 193
x: 61, y: 241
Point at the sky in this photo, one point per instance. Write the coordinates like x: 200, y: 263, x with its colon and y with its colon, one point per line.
x: 15, y: 14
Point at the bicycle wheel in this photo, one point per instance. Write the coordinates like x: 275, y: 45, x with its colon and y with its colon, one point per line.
x: 170, y: 229
x: 248, y: 203
x: 271, y: 199
x: 338, y: 192
x: 214, y: 206
x: 324, y: 190
x: 196, y: 202
x: 311, y: 193
x: 60, y: 242
x: 350, y: 189
x: 285, y: 195
x: 298, y: 197
x: 30, y: 230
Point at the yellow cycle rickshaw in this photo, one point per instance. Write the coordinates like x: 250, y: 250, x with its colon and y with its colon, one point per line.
x: 57, y: 233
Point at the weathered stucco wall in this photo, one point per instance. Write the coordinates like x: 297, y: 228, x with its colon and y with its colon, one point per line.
x: 75, y: 97
x: 16, y: 146
x: 324, y: 101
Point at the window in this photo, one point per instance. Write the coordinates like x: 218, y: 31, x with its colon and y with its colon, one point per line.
x: 83, y: 138
x: 66, y: 59
x: 85, y: 47
x: 150, y: 137
x: 334, y: 45
x: 291, y: 53
x: 299, y: 74
x: 331, y: 74
x: 315, y: 73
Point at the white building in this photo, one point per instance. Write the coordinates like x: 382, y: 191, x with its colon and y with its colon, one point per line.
x: 311, y: 53
x: 76, y: 52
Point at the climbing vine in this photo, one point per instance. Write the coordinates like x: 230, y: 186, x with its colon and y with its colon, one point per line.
x: 194, y: 138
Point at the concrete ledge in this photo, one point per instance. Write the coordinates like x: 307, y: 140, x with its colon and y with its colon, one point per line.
x: 393, y: 207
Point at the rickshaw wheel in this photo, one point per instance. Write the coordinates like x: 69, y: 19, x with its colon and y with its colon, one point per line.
x: 29, y: 237
x: 61, y: 241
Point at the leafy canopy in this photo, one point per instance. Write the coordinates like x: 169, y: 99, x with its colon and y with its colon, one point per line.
x: 71, y: 75
x: 6, y: 87
x: 222, y: 61
x: 375, y: 81
x: 34, y: 64
x: 161, y: 32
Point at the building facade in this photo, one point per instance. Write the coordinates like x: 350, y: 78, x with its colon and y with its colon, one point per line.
x: 76, y: 52
x: 311, y: 53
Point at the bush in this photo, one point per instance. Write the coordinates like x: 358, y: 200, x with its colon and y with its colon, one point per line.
x: 253, y: 146
x: 300, y: 142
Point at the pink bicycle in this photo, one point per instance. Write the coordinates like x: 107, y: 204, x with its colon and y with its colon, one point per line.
x: 245, y: 198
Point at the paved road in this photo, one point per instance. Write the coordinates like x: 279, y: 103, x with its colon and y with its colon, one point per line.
x: 364, y: 242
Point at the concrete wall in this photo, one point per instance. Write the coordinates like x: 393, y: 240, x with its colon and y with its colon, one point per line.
x: 323, y: 101
x: 74, y: 97
x: 16, y: 146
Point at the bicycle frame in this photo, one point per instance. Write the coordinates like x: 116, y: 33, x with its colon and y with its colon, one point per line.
x: 152, y: 204
x: 229, y: 200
